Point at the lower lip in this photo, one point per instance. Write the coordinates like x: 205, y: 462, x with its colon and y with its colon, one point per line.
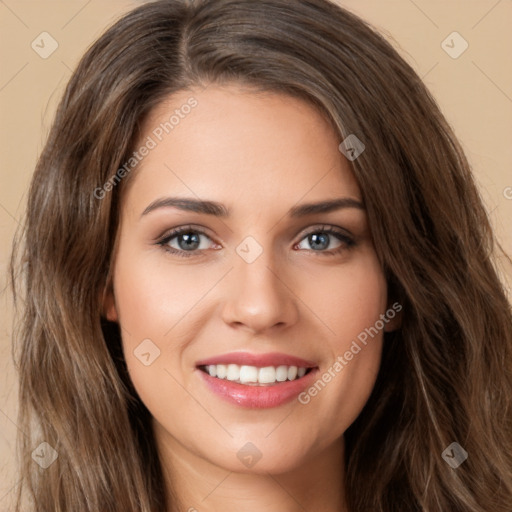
x: 258, y: 397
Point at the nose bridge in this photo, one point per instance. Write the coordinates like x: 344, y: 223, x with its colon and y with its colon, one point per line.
x: 258, y: 297
x: 253, y: 270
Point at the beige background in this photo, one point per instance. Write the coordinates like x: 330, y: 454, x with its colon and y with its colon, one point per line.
x: 474, y: 91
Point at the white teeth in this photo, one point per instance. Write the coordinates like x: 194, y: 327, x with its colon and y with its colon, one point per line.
x: 281, y: 373
x: 248, y: 374
x: 233, y: 372
x: 292, y: 372
x: 222, y: 370
x: 254, y: 375
x: 267, y: 375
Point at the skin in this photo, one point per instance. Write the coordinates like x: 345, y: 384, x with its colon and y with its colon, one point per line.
x: 259, y: 154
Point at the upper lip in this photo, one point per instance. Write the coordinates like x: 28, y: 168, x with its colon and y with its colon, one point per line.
x: 259, y: 360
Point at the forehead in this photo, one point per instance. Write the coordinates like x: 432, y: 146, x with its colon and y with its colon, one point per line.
x: 239, y: 146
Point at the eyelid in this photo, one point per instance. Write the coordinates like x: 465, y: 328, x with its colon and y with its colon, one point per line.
x: 169, y: 233
x: 327, y: 228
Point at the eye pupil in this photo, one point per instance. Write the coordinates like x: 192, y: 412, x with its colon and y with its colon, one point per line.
x: 319, y: 241
x: 191, y: 241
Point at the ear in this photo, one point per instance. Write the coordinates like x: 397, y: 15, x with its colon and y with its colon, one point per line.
x: 394, y: 317
x: 109, y: 309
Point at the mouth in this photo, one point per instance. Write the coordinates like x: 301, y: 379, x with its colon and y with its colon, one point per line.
x: 255, y: 376
x: 256, y: 381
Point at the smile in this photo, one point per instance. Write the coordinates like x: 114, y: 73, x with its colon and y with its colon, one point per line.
x: 256, y: 381
x: 254, y: 376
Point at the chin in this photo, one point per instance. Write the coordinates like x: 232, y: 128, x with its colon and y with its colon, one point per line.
x: 260, y: 455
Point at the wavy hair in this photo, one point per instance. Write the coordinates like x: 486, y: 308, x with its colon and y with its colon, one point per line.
x: 445, y: 374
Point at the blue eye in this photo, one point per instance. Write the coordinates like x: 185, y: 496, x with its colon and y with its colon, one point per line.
x: 188, y: 241
x: 321, y: 239
x: 184, y: 241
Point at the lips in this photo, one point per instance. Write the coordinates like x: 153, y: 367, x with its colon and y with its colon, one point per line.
x: 259, y: 360
x: 256, y: 380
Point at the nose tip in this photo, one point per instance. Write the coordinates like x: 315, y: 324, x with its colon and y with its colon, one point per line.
x: 258, y: 297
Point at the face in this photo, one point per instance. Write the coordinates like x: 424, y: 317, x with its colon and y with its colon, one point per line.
x: 240, y: 307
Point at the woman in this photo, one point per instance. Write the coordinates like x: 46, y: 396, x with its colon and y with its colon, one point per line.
x: 258, y: 276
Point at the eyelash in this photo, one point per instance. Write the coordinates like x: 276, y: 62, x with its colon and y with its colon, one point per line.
x: 347, y: 242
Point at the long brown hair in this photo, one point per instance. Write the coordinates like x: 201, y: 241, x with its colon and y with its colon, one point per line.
x: 446, y: 374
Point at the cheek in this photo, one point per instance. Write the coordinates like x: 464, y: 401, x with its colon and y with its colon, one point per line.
x: 151, y: 312
x: 152, y: 298
x: 357, y: 299
x: 347, y: 299
x: 159, y: 308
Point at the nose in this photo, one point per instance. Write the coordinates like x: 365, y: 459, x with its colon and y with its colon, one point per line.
x: 258, y: 297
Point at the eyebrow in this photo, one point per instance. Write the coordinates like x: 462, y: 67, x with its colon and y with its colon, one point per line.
x: 219, y: 210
